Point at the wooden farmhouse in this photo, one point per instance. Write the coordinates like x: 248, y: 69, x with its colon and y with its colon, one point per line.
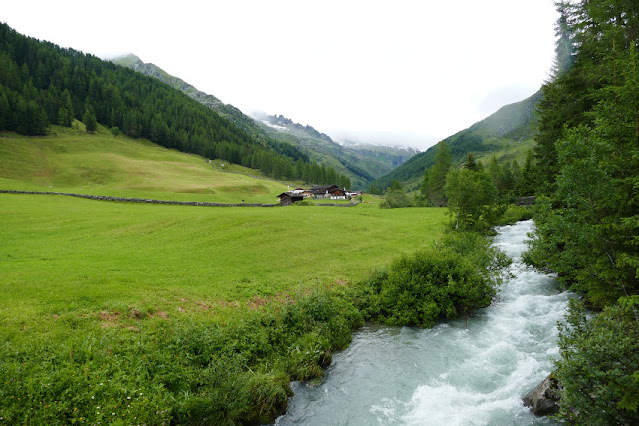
x: 332, y: 192
x: 328, y: 191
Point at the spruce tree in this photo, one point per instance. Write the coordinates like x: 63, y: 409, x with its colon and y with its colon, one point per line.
x: 528, y: 177
x: 89, y: 119
x: 470, y: 163
x: 435, y: 177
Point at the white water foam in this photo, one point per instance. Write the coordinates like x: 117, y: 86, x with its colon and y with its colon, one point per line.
x: 453, y: 374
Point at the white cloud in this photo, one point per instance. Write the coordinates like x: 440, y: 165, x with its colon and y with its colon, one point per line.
x: 421, y: 69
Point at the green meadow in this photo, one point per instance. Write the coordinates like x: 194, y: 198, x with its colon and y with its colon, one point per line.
x: 70, y: 160
x: 66, y: 256
x: 126, y: 313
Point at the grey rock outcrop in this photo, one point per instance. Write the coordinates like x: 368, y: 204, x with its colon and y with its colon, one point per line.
x: 544, y: 399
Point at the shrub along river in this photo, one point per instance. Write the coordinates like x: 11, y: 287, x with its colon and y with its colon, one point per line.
x: 456, y: 373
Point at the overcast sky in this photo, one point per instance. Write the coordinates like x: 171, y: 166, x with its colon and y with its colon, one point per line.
x: 404, y: 72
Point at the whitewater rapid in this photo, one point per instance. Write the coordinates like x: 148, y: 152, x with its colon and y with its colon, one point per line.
x: 453, y: 374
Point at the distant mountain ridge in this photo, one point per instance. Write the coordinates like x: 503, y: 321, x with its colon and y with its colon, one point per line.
x: 361, y: 164
x: 365, y: 160
x: 508, y: 134
x: 286, y: 122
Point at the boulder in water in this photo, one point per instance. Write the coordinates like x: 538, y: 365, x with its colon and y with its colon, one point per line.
x: 544, y: 399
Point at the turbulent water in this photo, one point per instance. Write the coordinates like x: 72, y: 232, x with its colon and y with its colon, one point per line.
x: 452, y: 374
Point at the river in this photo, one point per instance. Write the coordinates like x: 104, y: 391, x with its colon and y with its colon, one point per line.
x: 452, y: 374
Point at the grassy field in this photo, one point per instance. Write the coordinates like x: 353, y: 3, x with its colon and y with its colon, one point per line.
x: 67, y: 256
x: 74, y: 161
x: 141, y: 313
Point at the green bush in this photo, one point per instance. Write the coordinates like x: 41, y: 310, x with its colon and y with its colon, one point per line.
x: 516, y: 213
x: 599, y: 367
x: 451, y: 279
x: 394, y: 199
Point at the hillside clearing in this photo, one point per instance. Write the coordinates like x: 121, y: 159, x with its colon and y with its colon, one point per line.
x: 99, y: 164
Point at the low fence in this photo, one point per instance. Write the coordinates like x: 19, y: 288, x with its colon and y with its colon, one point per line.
x: 149, y: 201
x: 337, y: 205
x: 139, y: 200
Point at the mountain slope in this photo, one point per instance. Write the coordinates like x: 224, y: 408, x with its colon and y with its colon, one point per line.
x: 229, y: 111
x: 70, y: 160
x: 43, y: 84
x: 361, y: 166
x: 508, y: 134
x: 365, y: 162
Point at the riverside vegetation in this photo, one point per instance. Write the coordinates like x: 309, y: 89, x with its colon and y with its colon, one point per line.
x: 154, y: 314
x: 587, y: 177
x: 584, y: 170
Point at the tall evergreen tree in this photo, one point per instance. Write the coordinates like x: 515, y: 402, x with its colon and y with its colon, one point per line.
x: 89, y: 119
x: 528, y: 177
x: 435, y: 177
x: 470, y: 163
x: 515, y: 171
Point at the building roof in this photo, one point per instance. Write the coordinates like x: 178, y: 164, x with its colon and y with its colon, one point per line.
x: 289, y: 194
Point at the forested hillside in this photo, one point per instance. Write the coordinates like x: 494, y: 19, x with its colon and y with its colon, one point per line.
x: 587, y: 169
x: 508, y: 133
x: 41, y: 83
x: 360, y: 167
x: 225, y: 110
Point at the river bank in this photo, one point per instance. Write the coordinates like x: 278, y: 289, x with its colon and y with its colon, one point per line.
x: 455, y: 373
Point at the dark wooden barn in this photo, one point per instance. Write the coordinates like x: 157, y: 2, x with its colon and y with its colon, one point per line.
x: 288, y: 198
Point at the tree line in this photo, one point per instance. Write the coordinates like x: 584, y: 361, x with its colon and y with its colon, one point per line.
x: 587, y: 179
x: 584, y: 170
x: 43, y: 84
x: 476, y: 195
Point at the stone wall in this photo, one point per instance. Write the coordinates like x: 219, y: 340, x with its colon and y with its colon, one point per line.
x: 138, y: 200
x: 148, y: 201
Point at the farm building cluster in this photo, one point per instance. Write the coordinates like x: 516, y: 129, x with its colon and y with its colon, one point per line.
x: 331, y: 192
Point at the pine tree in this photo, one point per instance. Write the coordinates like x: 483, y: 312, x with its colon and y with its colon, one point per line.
x: 528, y: 177
x: 65, y: 113
x: 470, y: 163
x: 515, y: 171
x: 435, y: 177
x: 5, y: 111
x: 89, y: 119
